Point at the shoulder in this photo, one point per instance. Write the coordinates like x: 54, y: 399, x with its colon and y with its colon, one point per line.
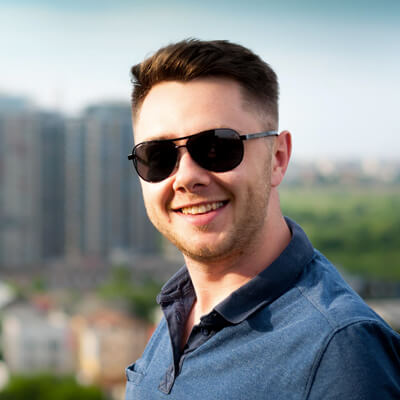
x: 324, y: 290
x: 361, y: 360
x: 359, y: 354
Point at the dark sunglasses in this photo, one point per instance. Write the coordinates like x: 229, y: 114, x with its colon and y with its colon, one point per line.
x: 217, y: 150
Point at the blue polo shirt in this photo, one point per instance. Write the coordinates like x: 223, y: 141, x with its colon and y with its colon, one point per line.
x: 295, y: 331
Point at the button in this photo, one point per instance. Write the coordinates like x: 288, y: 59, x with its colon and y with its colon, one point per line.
x: 178, y: 316
x: 205, y: 331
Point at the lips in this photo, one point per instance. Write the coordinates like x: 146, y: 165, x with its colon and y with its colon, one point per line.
x: 201, y: 208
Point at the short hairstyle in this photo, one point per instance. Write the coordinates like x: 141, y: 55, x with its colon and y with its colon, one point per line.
x: 192, y: 58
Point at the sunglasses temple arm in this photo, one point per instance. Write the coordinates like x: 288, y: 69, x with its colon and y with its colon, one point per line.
x: 258, y: 135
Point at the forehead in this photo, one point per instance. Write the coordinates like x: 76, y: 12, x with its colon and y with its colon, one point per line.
x: 175, y: 109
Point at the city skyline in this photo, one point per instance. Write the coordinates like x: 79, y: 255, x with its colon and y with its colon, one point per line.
x: 65, y: 189
x: 337, y: 63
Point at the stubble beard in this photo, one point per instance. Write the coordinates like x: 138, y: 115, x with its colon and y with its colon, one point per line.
x: 241, y: 238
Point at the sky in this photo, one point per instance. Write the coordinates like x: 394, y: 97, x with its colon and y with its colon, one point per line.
x: 338, y: 62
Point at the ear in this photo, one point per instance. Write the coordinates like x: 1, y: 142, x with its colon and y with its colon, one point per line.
x: 280, y: 157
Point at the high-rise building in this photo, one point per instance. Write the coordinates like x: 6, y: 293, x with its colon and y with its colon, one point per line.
x: 52, y: 188
x: 105, y: 211
x: 67, y: 187
x: 19, y: 188
x: 75, y: 183
x: 31, y: 185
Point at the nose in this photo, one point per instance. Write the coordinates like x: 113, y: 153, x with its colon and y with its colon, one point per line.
x: 189, y: 176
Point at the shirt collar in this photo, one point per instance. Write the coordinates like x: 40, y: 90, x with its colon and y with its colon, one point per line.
x: 263, y: 289
x: 177, y: 287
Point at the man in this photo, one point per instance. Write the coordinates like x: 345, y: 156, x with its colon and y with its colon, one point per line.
x: 256, y: 312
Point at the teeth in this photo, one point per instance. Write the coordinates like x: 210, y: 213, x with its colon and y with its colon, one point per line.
x: 202, y: 208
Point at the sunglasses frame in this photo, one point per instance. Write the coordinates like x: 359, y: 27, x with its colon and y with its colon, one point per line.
x: 133, y: 156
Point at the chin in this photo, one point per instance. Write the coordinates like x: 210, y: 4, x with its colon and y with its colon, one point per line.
x: 208, y: 253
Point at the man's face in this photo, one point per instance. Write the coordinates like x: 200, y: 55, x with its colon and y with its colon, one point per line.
x: 209, y: 216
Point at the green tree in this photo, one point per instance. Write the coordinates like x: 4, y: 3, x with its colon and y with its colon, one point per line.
x: 48, y: 387
x: 139, y: 294
x: 357, y: 228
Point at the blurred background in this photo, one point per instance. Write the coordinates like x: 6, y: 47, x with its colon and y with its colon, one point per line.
x: 80, y: 265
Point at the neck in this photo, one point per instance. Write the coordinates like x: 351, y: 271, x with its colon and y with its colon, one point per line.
x: 214, y: 281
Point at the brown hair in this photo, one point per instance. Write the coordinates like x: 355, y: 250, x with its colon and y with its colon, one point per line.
x: 192, y: 58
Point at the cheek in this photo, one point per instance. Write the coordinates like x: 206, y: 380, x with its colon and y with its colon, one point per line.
x: 152, y: 208
x: 155, y: 196
x: 149, y: 197
x: 259, y: 162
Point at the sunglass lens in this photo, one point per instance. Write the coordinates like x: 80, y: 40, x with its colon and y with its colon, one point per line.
x: 155, y: 161
x: 217, y: 150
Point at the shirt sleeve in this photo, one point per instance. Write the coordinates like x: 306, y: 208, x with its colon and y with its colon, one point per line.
x: 360, y: 362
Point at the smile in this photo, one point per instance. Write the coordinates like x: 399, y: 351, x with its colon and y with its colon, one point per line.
x: 201, y: 208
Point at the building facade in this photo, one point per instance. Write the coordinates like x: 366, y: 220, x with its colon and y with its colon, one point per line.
x: 67, y: 188
x: 32, y: 171
x: 37, y: 341
x: 105, y: 211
